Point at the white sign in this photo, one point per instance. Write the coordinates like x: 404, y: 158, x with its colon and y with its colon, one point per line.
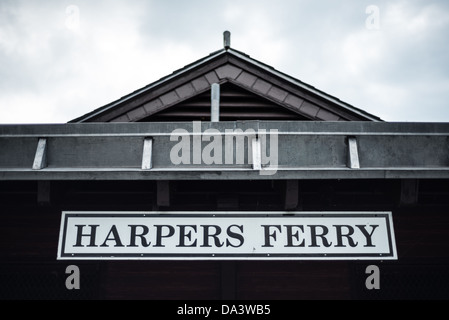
x: 227, y: 235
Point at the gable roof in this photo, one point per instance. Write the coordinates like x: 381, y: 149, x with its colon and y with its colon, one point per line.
x: 238, y: 71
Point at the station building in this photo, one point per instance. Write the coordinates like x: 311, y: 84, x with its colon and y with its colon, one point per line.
x: 226, y: 179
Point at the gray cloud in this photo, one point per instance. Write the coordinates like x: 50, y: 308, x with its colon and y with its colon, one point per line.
x: 53, y: 72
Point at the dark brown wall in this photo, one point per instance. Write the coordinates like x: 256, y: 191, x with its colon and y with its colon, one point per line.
x: 29, y: 231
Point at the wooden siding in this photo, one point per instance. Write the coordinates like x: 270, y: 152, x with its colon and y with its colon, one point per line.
x: 162, y: 280
x: 240, y: 84
x: 235, y: 104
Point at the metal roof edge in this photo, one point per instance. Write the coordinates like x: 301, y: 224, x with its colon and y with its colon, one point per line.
x: 239, y: 55
x: 304, y: 85
x: 176, y: 73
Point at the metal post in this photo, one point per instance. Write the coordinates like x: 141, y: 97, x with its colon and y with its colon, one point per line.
x: 215, y: 102
x: 227, y: 40
x: 257, y: 154
x: 147, y: 156
x: 40, y: 158
x: 353, y: 154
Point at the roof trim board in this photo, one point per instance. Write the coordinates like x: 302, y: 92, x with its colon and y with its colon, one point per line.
x: 310, y: 93
x: 227, y: 66
x: 135, y: 94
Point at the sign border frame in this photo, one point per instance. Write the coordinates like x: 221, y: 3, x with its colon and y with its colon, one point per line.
x: 392, y: 254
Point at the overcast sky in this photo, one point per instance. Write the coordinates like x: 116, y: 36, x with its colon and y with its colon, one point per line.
x: 61, y: 59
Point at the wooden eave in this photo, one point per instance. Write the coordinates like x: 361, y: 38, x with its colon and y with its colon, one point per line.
x: 238, y: 69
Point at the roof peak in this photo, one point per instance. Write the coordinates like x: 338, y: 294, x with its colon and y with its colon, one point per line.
x: 228, y: 64
x: 227, y: 39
